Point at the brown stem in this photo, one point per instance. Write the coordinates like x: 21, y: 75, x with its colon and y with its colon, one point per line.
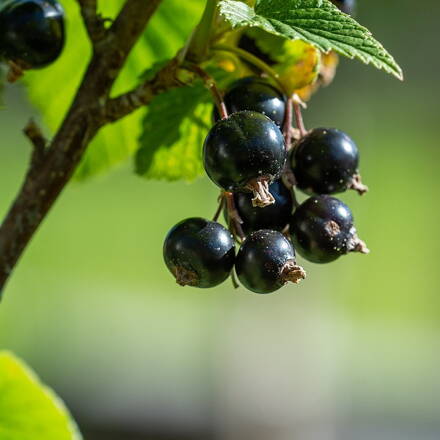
x: 94, y: 23
x: 219, y: 210
x: 15, y: 71
x: 299, y: 118
x: 212, y: 86
x: 34, y: 134
x: 287, y: 129
x: 235, y: 220
x: 46, y: 179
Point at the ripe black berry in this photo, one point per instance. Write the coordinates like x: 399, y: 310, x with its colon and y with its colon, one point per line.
x: 275, y: 216
x: 347, y: 6
x: 325, y: 161
x: 255, y: 94
x: 322, y: 230
x: 199, y: 253
x: 31, y: 32
x: 266, y: 261
x: 245, y: 152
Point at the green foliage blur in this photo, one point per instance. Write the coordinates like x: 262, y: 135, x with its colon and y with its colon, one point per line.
x: 352, y: 352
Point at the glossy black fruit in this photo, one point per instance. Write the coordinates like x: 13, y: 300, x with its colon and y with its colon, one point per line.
x: 31, y: 32
x: 325, y: 161
x: 347, y: 6
x: 255, y: 94
x: 245, y: 152
x: 275, y: 216
x: 266, y: 261
x: 322, y: 230
x: 199, y: 253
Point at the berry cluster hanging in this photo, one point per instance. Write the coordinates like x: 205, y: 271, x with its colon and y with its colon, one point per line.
x: 258, y: 159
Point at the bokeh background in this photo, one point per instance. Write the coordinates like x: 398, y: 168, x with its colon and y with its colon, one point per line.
x: 351, y: 354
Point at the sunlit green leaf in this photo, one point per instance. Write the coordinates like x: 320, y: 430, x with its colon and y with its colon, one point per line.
x: 28, y: 409
x: 317, y: 22
x: 51, y: 89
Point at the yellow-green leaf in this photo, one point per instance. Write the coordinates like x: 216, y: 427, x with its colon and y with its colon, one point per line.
x: 51, y: 90
x: 28, y: 409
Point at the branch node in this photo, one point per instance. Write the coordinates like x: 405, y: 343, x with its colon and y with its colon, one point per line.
x: 33, y: 132
x: 94, y: 22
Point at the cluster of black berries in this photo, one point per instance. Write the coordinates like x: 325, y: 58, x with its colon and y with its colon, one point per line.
x: 246, y: 155
x: 31, y: 32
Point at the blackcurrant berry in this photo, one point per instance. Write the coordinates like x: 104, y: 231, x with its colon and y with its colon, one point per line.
x: 245, y: 152
x: 199, y: 253
x: 31, y: 32
x: 275, y: 216
x: 347, y: 6
x: 255, y: 94
x: 266, y: 261
x: 322, y: 230
x: 325, y: 161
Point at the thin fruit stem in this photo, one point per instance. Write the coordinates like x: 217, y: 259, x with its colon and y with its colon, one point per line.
x: 234, y: 280
x: 288, y: 117
x: 221, y: 199
x: 234, y: 217
x: 211, y: 85
x: 252, y: 59
x: 299, y: 118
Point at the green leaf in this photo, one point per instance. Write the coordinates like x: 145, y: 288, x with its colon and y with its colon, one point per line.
x: 28, y: 409
x: 317, y: 22
x: 174, y: 129
x: 51, y: 90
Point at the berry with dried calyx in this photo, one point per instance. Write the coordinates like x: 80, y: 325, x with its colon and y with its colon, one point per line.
x: 245, y: 152
x: 199, y: 253
x: 322, y: 230
x: 266, y: 261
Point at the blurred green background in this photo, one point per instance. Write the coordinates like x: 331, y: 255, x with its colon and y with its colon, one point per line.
x: 352, y: 353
